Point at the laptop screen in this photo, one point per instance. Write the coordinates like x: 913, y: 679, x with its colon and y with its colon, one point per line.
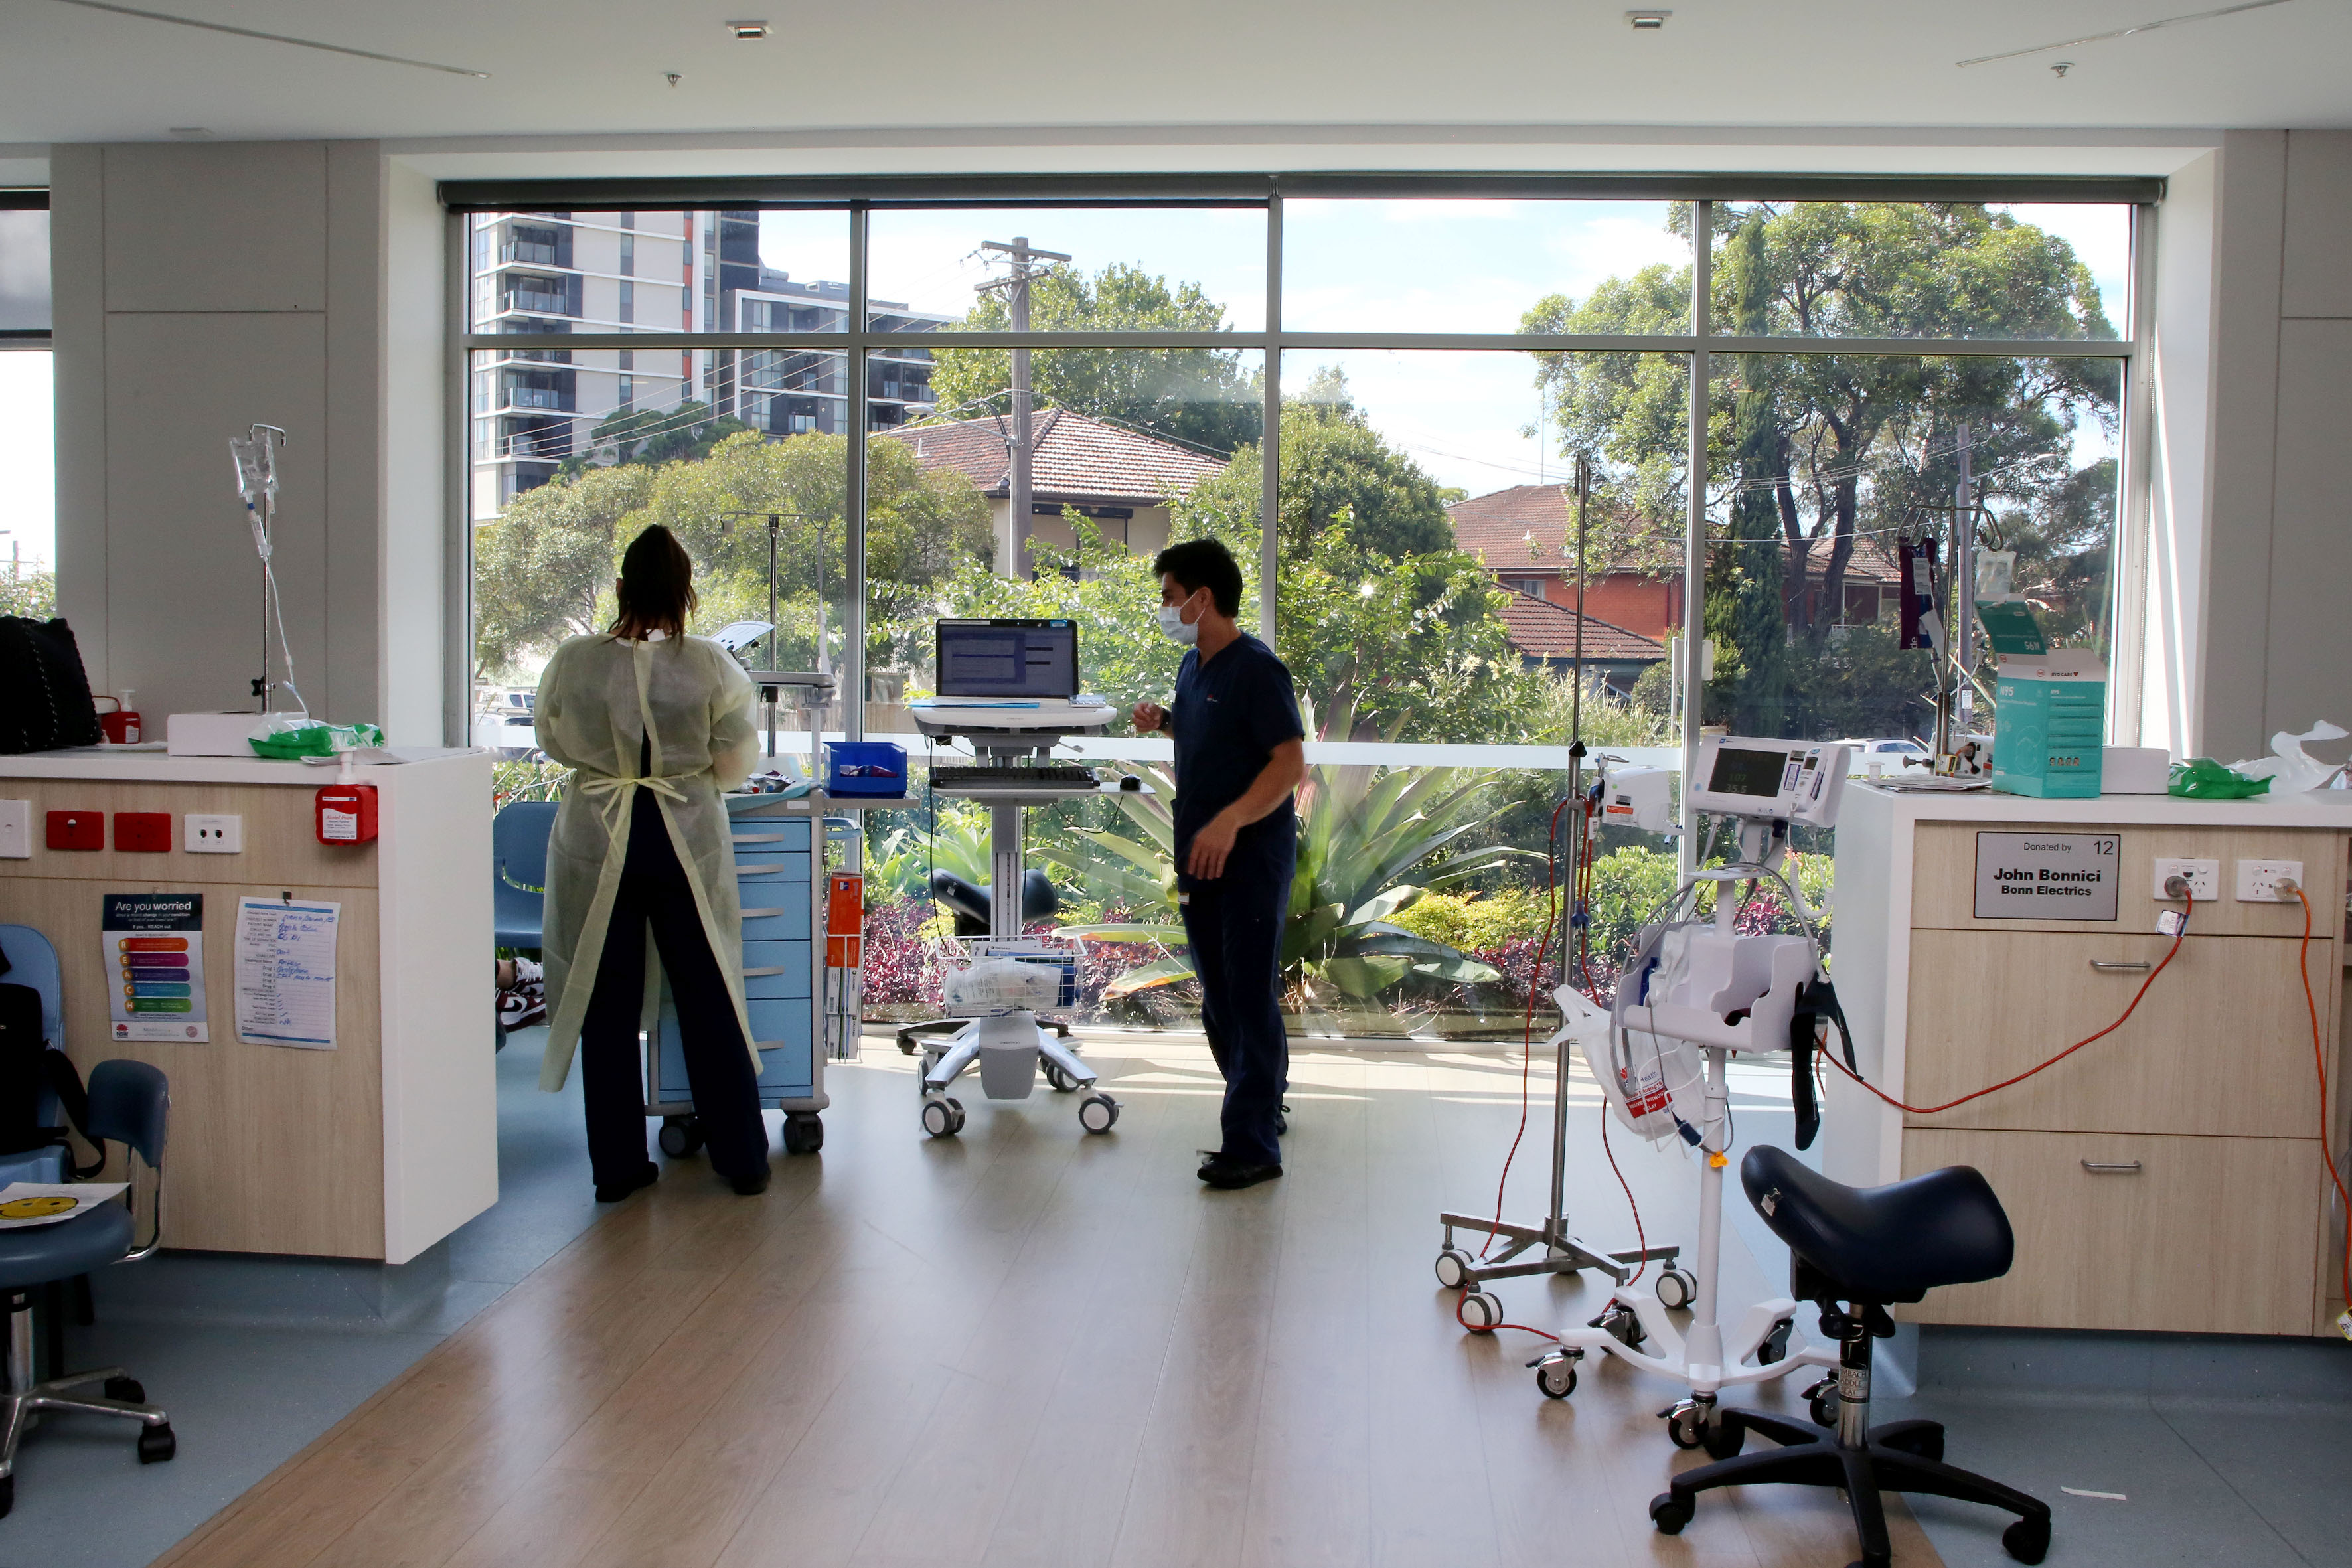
x: 1008, y: 658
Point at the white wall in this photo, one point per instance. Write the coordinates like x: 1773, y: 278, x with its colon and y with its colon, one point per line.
x: 2247, y: 630
x: 200, y: 289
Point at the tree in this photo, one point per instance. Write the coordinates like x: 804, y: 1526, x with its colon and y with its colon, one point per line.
x: 1197, y: 397
x: 1808, y: 448
x: 544, y: 570
x: 655, y: 435
x: 32, y: 594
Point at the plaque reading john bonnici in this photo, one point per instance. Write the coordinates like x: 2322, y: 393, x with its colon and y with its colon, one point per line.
x: 2047, y: 876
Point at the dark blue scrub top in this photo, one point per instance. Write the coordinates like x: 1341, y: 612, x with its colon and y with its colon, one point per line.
x: 1229, y: 714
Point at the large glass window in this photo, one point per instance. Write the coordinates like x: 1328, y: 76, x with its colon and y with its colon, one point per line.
x: 1419, y: 567
x: 27, y: 418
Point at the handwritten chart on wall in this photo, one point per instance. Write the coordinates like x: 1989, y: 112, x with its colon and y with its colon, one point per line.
x: 286, y: 973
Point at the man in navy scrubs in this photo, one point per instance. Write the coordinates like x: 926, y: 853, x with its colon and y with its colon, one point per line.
x: 1240, y: 752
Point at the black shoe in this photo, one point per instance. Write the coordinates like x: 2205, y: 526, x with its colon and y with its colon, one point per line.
x: 613, y: 1192
x: 1226, y: 1174
x: 749, y: 1186
x: 1282, y: 1122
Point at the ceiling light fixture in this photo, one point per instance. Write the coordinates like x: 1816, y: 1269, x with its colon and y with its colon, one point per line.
x: 191, y: 133
x: 2124, y: 32
x: 1647, y: 21
x: 2059, y: 68
x: 747, y: 32
x: 272, y: 37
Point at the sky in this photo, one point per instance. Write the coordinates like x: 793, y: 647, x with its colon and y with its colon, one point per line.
x: 1370, y: 266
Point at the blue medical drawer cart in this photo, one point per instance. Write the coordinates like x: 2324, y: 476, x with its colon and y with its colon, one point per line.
x: 781, y: 877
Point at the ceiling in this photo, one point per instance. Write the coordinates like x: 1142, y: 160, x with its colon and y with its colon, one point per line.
x: 881, y: 83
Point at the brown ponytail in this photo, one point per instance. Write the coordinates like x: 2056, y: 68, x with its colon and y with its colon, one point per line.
x: 657, y: 586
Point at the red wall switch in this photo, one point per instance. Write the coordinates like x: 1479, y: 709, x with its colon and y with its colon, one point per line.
x: 144, y: 832
x: 77, y: 831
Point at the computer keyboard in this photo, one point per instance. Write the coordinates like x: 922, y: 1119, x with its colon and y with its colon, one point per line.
x: 1009, y: 777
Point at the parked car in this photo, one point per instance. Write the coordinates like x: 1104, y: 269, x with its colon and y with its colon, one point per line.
x: 504, y: 722
x: 1888, y: 751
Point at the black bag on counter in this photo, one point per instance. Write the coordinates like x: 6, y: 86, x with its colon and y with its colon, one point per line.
x: 43, y: 694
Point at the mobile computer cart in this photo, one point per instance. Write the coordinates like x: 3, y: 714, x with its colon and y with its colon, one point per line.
x: 796, y: 1018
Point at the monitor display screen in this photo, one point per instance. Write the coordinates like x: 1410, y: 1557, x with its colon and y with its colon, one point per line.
x: 1008, y: 658
x: 1739, y: 771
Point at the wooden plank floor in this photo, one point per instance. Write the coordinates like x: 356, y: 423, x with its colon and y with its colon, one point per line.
x: 1031, y: 1347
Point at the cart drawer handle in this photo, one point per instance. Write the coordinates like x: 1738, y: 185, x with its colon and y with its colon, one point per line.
x: 756, y: 973
x: 759, y: 871
x: 2118, y: 967
x: 760, y: 914
x: 2112, y: 1168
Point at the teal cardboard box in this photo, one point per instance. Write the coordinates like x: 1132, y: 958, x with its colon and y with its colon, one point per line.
x: 2049, y: 724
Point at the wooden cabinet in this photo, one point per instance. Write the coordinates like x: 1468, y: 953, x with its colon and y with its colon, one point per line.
x: 2168, y: 1175
x: 2136, y: 1231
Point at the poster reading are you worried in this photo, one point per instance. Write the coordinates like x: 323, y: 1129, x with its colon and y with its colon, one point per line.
x: 155, y: 951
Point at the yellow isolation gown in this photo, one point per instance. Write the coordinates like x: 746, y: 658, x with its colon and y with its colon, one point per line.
x: 596, y: 697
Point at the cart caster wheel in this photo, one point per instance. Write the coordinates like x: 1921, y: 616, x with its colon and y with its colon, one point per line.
x: 1099, y: 1112
x: 1677, y: 1290
x: 1775, y: 1347
x: 2028, y: 1539
x: 1453, y: 1268
x: 1725, y: 1439
x: 1621, y: 1323
x: 156, y: 1444
x: 1670, y: 1513
x: 1820, y: 1402
x: 804, y: 1135
x: 680, y: 1136
x: 943, y: 1117
x: 128, y: 1390
x: 1480, y: 1313
x: 7, y: 1495
x: 1685, y: 1426
x: 1555, y: 1376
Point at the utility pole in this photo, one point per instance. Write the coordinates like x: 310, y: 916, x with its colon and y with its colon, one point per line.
x: 1013, y: 537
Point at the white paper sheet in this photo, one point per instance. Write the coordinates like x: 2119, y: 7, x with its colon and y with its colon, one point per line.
x: 286, y: 973
x: 26, y: 1203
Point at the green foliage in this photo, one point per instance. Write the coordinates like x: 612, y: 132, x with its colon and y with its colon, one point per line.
x: 1472, y: 921
x: 685, y: 432
x: 520, y: 780
x: 32, y: 594
x: 1820, y: 446
x: 544, y: 570
x: 1198, y: 397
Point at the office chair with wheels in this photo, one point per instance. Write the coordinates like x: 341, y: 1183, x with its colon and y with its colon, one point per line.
x: 129, y: 1104
x: 1866, y: 1248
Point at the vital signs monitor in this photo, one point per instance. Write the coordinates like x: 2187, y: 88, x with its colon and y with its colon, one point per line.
x: 1789, y: 781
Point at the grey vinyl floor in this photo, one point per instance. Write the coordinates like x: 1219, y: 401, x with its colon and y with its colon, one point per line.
x: 2224, y: 1452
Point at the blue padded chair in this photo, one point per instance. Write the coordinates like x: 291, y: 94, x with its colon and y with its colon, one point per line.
x: 129, y: 1104
x: 518, y: 850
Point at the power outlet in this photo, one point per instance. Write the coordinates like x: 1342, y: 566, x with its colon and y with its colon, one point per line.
x: 213, y: 835
x: 2258, y: 880
x: 2204, y: 879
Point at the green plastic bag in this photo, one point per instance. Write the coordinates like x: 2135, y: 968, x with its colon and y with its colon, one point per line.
x: 294, y: 737
x: 2202, y: 778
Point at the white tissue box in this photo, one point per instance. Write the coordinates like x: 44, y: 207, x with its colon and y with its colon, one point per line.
x: 2135, y: 770
x: 209, y: 734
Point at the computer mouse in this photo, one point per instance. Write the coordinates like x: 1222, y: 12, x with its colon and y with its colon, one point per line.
x: 1130, y: 782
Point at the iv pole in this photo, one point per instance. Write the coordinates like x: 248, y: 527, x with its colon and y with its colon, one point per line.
x: 1563, y: 1251
x: 774, y: 675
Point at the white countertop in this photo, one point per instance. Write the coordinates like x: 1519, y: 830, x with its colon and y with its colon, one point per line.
x: 2315, y: 808
x: 161, y: 767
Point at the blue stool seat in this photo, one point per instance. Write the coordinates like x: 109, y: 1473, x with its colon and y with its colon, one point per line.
x: 1881, y: 1245
x: 36, y: 1254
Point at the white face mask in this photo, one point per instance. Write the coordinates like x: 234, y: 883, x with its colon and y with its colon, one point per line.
x: 1172, y: 622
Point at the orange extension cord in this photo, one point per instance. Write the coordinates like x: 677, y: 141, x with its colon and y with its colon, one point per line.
x: 2319, y: 1062
x: 2178, y: 938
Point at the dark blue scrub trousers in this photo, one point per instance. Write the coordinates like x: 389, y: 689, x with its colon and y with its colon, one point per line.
x: 654, y: 891
x: 1235, y: 927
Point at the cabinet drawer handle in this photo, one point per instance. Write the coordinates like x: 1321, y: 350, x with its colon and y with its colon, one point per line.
x: 2118, y: 966
x: 2112, y: 1168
